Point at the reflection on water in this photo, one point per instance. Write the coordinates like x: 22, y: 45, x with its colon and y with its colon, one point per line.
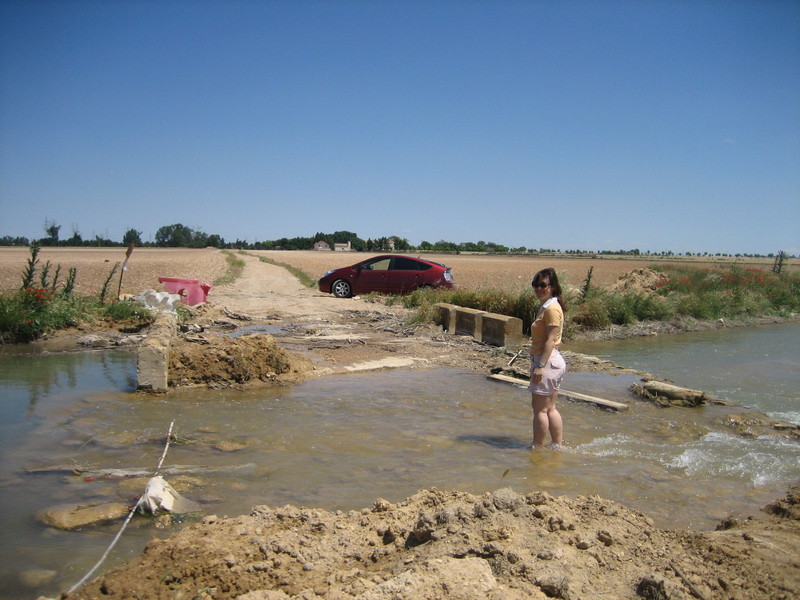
x: 340, y: 443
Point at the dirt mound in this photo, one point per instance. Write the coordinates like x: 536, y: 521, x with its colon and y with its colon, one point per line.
x: 453, y: 545
x: 639, y: 280
x: 220, y: 361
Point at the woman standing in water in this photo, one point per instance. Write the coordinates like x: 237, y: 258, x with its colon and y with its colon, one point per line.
x: 547, y: 365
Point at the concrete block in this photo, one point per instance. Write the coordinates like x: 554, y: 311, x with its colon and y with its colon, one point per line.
x: 500, y: 330
x: 447, y: 316
x: 468, y: 322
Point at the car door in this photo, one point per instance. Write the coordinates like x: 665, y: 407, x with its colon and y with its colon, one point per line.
x: 405, y: 275
x: 373, y: 276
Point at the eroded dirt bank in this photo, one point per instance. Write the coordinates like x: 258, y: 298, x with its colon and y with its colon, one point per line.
x: 441, y: 545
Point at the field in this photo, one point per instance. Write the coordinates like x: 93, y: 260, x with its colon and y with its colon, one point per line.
x: 94, y: 265
x: 511, y: 273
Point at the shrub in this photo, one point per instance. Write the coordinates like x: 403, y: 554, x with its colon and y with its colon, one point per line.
x: 734, y: 292
x: 591, y: 314
x: 38, y: 309
x: 29, y: 314
x: 129, y: 313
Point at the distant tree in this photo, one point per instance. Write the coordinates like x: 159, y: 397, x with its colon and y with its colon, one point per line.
x: 342, y: 237
x: 445, y: 246
x: 199, y: 239
x: 215, y: 241
x: 132, y: 237
x: 101, y: 242
x: 492, y: 247
x: 76, y: 239
x: 471, y: 247
x: 51, y: 229
x: 174, y: 236
x: 8, y: 240
x: 400, y: 244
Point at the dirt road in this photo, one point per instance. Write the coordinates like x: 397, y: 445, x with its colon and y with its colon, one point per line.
x: 266, y: 291
x: 336, y: 334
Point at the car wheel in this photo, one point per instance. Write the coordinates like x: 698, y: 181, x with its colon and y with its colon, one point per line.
x: 342, y: 289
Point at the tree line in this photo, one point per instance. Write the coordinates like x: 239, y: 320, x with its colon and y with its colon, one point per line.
x: 181, y: 236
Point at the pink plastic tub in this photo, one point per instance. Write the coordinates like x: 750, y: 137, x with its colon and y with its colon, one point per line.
x: 191, y: 291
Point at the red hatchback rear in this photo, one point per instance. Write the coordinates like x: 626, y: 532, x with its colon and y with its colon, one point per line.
x: 387, y: 274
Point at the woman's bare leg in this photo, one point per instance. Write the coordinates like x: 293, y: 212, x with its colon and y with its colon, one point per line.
x: 546, y: 419
x: 556, y: 424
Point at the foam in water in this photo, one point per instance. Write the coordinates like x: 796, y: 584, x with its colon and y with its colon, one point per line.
x: 761, y: 461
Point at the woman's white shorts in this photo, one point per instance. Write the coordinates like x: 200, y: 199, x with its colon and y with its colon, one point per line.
x: 552, y: 375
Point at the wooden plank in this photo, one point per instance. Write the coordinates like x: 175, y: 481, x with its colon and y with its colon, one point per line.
x: 593, y: 400
x: 575, y: 396
x: 507, y: 379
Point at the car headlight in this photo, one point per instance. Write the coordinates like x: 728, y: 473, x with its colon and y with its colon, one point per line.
x: 448, y: 275
x: 326, y: 273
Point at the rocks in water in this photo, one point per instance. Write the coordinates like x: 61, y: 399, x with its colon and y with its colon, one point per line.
x: 668, y: 394
x: 74, y: 516
x: 34, y: 578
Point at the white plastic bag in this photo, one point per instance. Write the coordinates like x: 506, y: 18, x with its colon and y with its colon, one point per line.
x: 159, y: 495
x: 162, y: 301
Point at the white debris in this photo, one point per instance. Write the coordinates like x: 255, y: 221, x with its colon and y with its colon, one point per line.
x: 154, y: 300
x: 159, y: 495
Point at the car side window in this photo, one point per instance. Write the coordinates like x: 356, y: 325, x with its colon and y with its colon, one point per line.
x: 401, y: 263
x: 378, y: 265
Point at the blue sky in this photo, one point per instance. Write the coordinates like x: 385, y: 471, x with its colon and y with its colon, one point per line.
x: 570, y: 125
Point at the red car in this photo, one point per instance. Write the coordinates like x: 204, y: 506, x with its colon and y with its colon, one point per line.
x: 387, y: 274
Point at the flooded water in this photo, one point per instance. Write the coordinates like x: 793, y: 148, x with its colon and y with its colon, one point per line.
x: 758, y: 367
x: 341, y: 442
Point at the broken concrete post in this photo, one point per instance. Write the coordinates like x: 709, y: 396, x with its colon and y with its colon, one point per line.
x: 153, y: 356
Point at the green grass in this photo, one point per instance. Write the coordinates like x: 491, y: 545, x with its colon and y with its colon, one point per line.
x: 732, y: 293
x: 234, y: 270
x: 301, y: 275
x: 29, y: 314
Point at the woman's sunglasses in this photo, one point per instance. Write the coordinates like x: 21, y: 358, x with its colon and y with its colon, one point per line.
x: 541, y: 286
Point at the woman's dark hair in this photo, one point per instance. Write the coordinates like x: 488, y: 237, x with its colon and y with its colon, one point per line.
x: 555, y: 287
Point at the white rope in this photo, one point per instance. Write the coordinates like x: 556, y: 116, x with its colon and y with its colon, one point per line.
x: 125, y: 524
x: 166, y: 447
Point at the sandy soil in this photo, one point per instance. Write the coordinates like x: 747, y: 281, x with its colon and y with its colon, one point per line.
x: 448, y: 545
x: 437, y: 544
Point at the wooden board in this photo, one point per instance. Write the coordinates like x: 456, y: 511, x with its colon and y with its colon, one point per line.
x: 574, y: 396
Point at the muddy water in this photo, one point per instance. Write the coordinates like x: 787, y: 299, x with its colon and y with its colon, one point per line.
x: 339, y: 443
